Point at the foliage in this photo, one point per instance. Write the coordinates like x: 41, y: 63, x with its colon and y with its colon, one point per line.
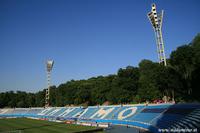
x: 150, y: 81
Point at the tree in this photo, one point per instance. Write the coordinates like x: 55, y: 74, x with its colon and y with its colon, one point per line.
x: 148, y: 88
x: 196, y: 73
x: 39, y: 98
x: 168, y: 82
x: 180, y: 79
x: 101, y: 88
x: 83, y: 94
x: 182, y: 60
x: 52, y: 97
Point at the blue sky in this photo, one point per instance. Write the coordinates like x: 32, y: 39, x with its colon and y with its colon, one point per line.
x: 85, y: 38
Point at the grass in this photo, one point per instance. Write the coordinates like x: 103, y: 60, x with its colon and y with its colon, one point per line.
x: 39, y: 126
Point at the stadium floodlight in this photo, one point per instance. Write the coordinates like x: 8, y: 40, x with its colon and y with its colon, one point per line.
x: 156, y: 22
x: 49, y: 66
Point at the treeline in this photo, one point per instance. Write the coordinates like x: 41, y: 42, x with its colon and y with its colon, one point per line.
x: 149, y: 81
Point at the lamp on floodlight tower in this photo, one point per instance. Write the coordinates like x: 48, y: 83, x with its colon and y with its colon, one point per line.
x: 156, y: 21
x: 49, y: 66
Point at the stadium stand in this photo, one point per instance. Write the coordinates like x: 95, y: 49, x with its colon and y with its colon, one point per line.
x: 180, y: 116
x: 153, y: 117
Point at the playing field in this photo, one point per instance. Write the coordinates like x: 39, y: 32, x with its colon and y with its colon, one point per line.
x: 24, y: 125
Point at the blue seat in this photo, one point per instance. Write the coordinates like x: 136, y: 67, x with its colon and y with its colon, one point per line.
x: 151, y: 117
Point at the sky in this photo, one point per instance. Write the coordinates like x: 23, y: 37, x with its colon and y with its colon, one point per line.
x: 85, y: 38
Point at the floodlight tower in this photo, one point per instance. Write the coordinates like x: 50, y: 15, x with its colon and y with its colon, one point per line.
x: 156, y: 21
x: 49, y: 66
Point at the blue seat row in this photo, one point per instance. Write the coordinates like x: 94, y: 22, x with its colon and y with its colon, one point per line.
x: 153, y: 117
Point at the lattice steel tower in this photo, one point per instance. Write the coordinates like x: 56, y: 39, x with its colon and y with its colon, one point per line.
x: 49, y: 66
x: 156, y: 21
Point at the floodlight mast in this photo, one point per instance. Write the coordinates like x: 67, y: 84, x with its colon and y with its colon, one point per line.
x: 49, y: 66
x: 156, y: 22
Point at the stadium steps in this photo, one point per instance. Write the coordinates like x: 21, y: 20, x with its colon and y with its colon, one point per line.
x: 151, y: 113
x: 115, y: 113
x: 165, y: 121
x: 190, y: 121
x: 178, y: 116
x: 138, y: 112
x: 89, y: 112
x: 157, y: 117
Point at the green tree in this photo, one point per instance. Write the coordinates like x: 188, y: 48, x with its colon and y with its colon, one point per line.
x: 182, y: 60
x: 125, y: 85
x: 148, y: 87
x: 196, y: 73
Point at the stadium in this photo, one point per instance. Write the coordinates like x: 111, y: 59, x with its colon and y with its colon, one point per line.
x: 155, y: 97
x: 153, y: 118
